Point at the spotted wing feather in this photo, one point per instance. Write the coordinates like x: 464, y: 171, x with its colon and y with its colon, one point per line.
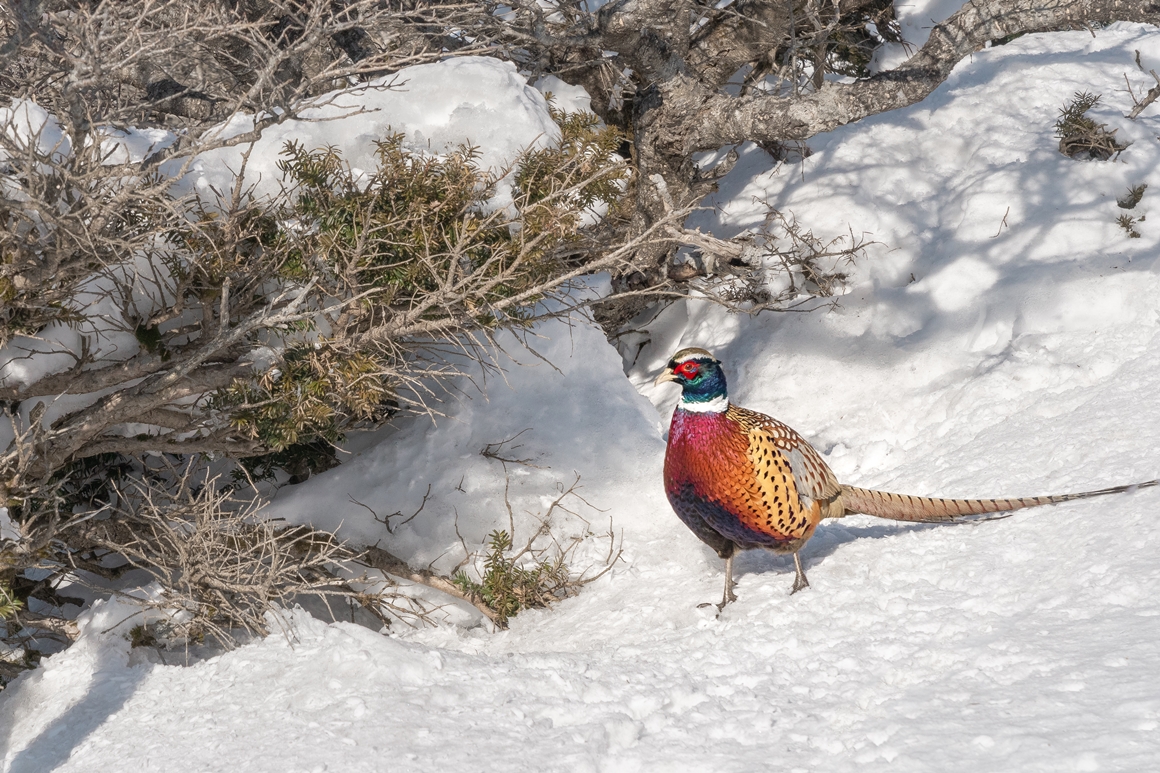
x: 796, y: 487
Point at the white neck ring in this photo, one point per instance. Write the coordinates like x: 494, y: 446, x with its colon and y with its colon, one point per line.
x: 716, y: 405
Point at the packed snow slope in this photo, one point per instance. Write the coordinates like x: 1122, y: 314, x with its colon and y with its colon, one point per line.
x: 1002, y: 339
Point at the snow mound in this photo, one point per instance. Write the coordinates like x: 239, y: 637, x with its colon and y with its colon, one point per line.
x: 564, y: 409
x: 474, y: 101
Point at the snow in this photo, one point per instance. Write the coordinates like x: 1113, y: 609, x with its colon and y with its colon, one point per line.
x: 544, y: 403
x: 473, y: 101
x: 28, y: 125
x: 565, y: 96
x: 1021, y: 359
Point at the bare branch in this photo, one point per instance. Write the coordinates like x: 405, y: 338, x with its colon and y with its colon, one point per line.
x: 377, y: 558
x: 720, y: 120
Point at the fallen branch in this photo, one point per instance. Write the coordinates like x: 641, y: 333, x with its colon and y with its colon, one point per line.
x: 388, y: 563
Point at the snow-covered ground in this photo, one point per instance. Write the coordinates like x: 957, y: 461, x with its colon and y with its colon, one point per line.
x: 1001, y: 339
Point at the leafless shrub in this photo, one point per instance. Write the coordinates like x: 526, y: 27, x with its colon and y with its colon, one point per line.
x: 195, y: 62
x: 258, y: 330
x: 781, y: 267
x: 824, y: 37
x: 220, y: 564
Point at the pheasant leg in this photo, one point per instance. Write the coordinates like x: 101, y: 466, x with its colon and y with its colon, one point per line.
x: 800, y: 580
x: 729, y: 595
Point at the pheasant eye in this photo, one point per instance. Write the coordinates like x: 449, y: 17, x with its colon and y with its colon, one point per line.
x: 688, y: 369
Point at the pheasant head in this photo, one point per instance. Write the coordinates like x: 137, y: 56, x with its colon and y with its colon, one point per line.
x: 701, y: 379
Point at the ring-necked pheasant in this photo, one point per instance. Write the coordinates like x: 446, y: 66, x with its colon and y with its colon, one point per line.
x: 742, y: 480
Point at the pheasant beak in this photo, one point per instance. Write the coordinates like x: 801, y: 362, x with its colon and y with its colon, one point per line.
x: 666, y: 375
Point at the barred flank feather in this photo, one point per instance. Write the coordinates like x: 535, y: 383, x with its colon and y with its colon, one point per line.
x: 902, y: 507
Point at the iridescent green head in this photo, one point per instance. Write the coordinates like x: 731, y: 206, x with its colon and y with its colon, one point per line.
x: 701, y: 378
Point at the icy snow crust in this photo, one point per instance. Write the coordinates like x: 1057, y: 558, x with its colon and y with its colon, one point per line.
x: 1020, y: 360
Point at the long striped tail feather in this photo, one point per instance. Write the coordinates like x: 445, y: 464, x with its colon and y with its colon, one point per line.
x: 903, y: 507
